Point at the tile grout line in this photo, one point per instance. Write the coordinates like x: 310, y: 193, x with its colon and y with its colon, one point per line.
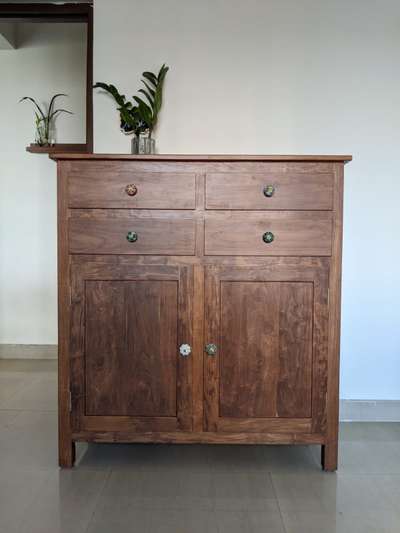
x: 101, y: 491
x: 277, y: 501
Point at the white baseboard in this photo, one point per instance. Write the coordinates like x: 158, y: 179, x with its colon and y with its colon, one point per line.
x: 369, y: 410
x: 28, y: 351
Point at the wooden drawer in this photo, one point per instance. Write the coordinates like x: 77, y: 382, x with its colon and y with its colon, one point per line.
x: 108, y: 235
x: 295, y: 233
x: 293, y: 189
x: 105, y: 186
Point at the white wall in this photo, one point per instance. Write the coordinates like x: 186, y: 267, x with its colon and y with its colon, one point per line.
x: 50, y: 58
x: 284, y: 76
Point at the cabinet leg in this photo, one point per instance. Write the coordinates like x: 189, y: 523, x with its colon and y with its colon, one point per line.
x: 66, y: 457
x: 329, y: 457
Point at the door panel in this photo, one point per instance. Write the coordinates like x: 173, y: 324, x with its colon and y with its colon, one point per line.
x: 127, y: 324
x: 269, y: 373
x: 131, y: 340
x: 266, y: 349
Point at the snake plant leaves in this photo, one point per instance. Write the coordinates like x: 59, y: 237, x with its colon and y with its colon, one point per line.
x: 52, y: 102
x: 43, y: 116
x: 46, y: 117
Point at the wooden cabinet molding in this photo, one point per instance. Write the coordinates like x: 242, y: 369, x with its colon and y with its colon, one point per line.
x: 179, y: 320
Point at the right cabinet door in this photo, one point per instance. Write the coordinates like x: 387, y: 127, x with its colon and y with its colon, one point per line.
x: 266, y: 336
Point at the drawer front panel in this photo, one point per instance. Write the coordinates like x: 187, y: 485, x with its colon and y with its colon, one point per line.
x: 157, y: 236
x: 287, y: 233
x: 103, y: 188
x: 283, y: 190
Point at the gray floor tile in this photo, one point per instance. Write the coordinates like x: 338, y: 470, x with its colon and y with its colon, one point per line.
x: 369, y: 457
x: 39, y: 393
x: 18, y: 490
x: 265, y: 522
x: 133, y: 522
x: 233, y: 522
x: 65, y: 503
x: 30, y: 442
x: 368, y: 522
x: 128, y: 490
x: 139, y: 520
x: 244, y: 492
x: 171, y: 521
x: 340, y: 493
x: 308, y: 522
x: 250, y: 522
x: 6, y: 417
x: 306, y: 492
x: 11, y: 384
x: 365, y: 493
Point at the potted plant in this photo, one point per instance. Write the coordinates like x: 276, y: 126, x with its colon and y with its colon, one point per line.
x: 140, y: 116
x: 45, y: 120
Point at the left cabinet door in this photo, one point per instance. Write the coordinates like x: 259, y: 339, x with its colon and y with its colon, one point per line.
x: 128, y: 322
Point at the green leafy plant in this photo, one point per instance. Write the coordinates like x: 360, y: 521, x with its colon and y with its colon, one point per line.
x: 141, y: 115
x: 130, y: 120
x: 45, y: 118
x: 153, y: 93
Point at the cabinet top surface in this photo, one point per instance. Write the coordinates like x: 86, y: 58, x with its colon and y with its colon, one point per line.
x: 203, y: 157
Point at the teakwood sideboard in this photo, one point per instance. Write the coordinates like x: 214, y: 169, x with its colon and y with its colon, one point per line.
x: 199, y: 299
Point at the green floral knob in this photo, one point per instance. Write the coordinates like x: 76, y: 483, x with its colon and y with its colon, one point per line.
x: 268, y: 237
x: 211, y: 349
x: 132, y: 236
x: 269, y: 191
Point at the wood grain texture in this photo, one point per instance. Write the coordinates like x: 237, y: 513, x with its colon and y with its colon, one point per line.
x: 185, y: 336
x: 320, y: 350
x: 295, y: 189
x: 155, y: 236
x: 266, y: 350
x: 267, y: 363
x: 272, y: 438
x: 131, y: 348
x: 198, y: 348
x: 200, y: 157
x: 264, y: 425
x: 66, y: 447
x: 296, y: 233
x: 103, y: 185
x: 330, y: 450
x: 212, y: 303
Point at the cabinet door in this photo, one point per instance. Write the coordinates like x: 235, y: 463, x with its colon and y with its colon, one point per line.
x: 269, y: 325
x: 128, y: 322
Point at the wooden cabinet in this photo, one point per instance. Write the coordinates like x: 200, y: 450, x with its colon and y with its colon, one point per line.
x: 199, y: 299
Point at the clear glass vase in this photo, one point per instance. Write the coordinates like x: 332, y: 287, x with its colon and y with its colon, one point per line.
x: 143, y: 145
x: 41, y: 136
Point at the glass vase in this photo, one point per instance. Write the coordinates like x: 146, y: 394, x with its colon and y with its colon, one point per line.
x: 41, y: 137
x: 135, y: 145
x: 143, y: 145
